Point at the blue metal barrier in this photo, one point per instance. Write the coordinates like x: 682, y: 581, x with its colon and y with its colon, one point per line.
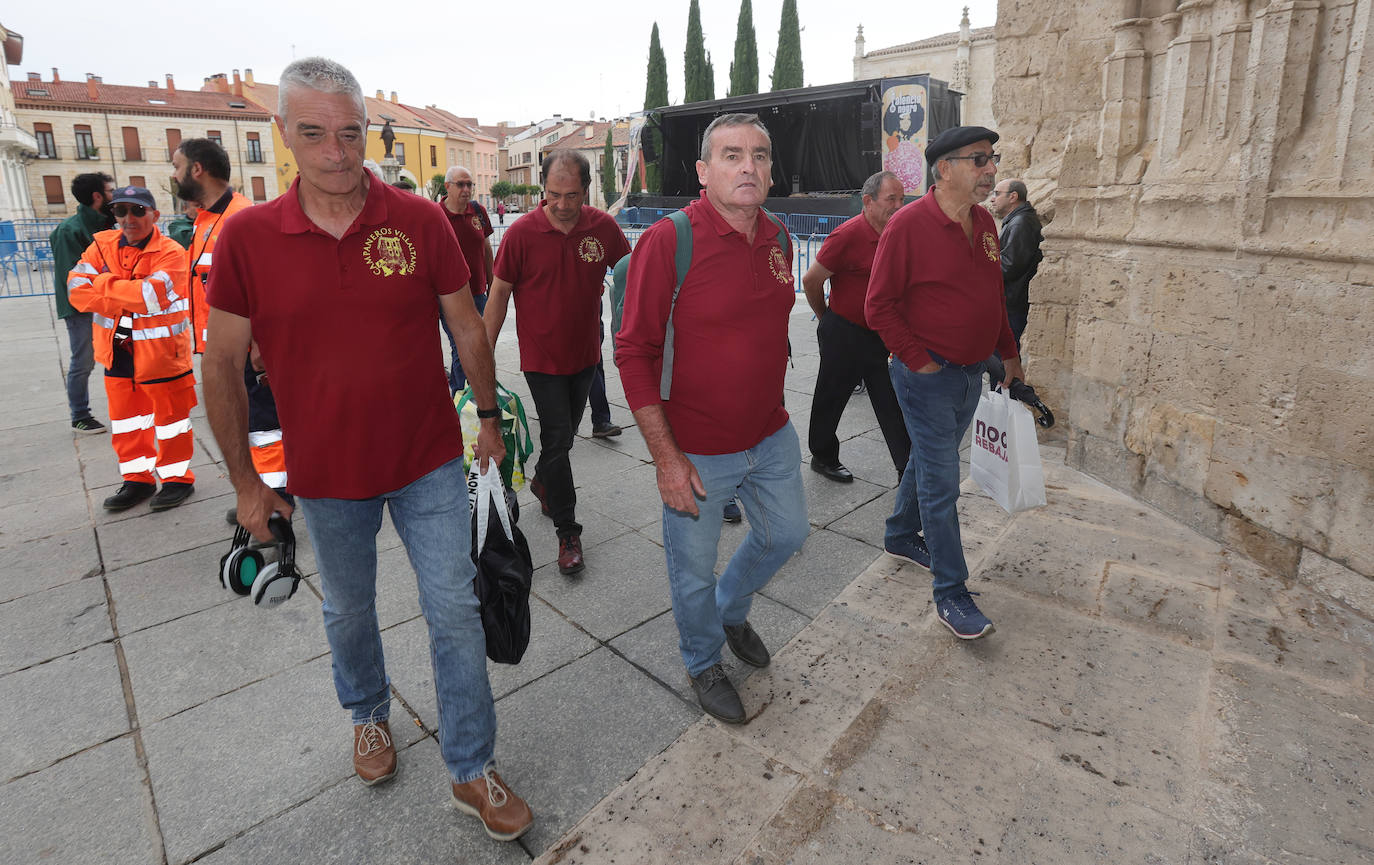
x: 26, y: 265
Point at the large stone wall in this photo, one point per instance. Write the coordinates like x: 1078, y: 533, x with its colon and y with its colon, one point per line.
x: 1205, y: 311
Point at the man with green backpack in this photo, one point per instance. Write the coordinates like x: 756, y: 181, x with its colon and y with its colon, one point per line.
x: 702, y: 353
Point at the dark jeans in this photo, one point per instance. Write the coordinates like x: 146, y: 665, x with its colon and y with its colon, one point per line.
x: 1017, y: 319
x: 850, y: 354
x: 456, y: 380
x: 82, y: 362
x: 559, y: 400
x: 601, y: 410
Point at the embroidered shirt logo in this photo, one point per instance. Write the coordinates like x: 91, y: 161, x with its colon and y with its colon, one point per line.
x: 778, y: 265
x: 476, y: 223
x: 388, y: 252
x: 590, y: 250
x: 990, y: 246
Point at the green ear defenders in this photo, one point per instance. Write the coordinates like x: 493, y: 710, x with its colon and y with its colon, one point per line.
x: 246, y: 571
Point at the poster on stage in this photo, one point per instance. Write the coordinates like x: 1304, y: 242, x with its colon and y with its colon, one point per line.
x: 905, y: 130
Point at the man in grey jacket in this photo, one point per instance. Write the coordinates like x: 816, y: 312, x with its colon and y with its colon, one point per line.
x: 1020, y: 243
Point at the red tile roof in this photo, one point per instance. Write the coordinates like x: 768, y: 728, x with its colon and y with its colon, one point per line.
x: 150, y: 100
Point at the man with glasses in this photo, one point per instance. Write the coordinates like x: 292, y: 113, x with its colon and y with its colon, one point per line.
x: 1020, y: 243
x: 68, y: 240
x: 472, y: 224
x: 134, y: 282
x: 935, y: 297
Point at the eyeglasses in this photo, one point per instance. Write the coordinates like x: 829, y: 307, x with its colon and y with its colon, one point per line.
x: 122, y: 210
x: 979, y: 159
x: 466, y: 184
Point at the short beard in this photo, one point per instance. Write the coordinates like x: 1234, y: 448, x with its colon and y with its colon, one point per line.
x: 189, y: 190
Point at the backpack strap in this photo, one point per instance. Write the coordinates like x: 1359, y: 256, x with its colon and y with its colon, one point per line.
x: 784, y: 237
x: 682, y: 226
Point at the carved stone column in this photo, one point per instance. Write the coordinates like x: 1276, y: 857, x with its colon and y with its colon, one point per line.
x: 1185, y: 78
x: 1125, y: 86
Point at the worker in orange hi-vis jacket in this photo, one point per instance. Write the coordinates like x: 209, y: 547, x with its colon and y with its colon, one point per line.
x: 200, y: 171
x: 135, y: 282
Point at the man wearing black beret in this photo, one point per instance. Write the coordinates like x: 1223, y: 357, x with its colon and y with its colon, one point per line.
x: 935, y: 298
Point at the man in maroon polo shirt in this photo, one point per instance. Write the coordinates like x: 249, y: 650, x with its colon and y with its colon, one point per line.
x: 850, y: 351
x: 935, y: 297
x: 554, y: 260
x: 338, y: 281
x: 711, y: 429
x: 472, y: 225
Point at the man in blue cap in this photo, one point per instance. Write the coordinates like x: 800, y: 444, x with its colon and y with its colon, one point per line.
x: 935, y: 298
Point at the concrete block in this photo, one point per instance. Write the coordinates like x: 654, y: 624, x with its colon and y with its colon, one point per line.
x: 1284, y: 753
x: 188, y: 661
x: 168, y: 588
x: 52, y: 623
x: 92, y: 807
x: 26, y: 520
x: 565, y: 752
x: 1337, y: 581
x: 43, y: 563
x: 145, y: 535
x: 63, y: 706
x: 1171, y: 607
x: 597, y: 528
x: 646, y: 820
x: 637, y: 568
x: 825, y: 565
x: 409, y: 819
x: 630, y: 497
x: 210, y: 766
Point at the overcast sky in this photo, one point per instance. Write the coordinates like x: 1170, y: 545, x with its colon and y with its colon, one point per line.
x: 534, y: 59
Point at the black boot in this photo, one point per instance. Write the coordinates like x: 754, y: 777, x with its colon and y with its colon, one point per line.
x: 130, y: 494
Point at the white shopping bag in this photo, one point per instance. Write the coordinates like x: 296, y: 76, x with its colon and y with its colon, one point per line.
x: 1005, y: 459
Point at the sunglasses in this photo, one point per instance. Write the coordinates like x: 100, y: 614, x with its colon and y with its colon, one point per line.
x: 464, y: 184
x: 979, y: 159
x: 122, y: 210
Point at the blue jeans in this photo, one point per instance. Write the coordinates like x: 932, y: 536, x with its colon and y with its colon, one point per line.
x: 431, y: 516
x: 596, y: 398
x: 938, y: 407
x: 82, y: 362
x: 456, y: 379
x: 768, y: 478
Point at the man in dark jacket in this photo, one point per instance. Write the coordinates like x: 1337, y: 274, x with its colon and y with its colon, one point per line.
x: 68, y: 240
x: 1020, y: 242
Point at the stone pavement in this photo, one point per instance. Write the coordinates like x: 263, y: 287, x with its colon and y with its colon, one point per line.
x: 1149, y: 696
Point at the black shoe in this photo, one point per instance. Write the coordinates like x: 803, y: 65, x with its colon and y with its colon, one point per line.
x: 732, y: 513
x: 88, y: 426
x: 172, y: 494
x: 835, y: 471
x: 231, y: 516
x: 717, y: 696
x: 605, y: 431
x: 745, y: 642
x: 129, y: 494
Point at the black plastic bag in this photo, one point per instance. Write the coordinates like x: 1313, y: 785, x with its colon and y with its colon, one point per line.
x: 504, y: 571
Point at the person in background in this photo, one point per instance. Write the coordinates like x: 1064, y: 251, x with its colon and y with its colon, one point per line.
x: 69, y: 240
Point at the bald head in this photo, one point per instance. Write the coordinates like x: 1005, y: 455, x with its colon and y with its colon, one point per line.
x: 1008, y: 195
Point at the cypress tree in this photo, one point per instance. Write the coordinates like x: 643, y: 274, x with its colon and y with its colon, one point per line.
x: 655, y: 96
x: 787, y: 66
x: 694, y: 58
x: 710, y: 77
x: 744, y: 71
x: 608, y: 177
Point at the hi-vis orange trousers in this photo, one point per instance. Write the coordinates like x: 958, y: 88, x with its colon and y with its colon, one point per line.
x: 150, y: 427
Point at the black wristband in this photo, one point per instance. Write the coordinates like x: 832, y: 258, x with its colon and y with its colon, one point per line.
x: 485, y: 413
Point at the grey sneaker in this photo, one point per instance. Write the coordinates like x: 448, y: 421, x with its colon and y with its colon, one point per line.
x: 717, y: 695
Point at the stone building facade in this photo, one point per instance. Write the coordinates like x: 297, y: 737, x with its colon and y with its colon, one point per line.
x: 17, y: 144
x: 1205, y: 310
x: 963, y: 59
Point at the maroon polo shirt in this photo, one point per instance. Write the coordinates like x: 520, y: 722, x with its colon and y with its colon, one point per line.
x: 932, y: 290
x: 472, y: 231
x: 730, y: 331
x: 346, y: 329
x: 848, y: 254
x: 557, y: 281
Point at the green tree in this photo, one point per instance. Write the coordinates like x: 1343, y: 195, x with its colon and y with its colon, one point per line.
x: 655, y: 96
x: 787, y: 65
x: 694, y: 58
x: 609, y: 186
x: 436, y: 186
x: 502, y: 189
x: 710, y: 78
x: 744, y: 71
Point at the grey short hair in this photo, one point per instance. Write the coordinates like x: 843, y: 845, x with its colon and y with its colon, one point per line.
x: 732, y: 120
x: 319, y: 74
x: 935, y: 170
x: 875, y: 183
x: 448, y: 175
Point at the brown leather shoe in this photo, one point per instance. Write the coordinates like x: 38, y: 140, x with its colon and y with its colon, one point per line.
x: 570, y: 556
x: 504, y: 814
x: 537, y: 487
x: 374, y: 756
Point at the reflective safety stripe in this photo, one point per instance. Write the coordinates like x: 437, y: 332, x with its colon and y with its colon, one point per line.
x: 275, y: 480
x: 263, y: 438
x: 85, y: 267
x: 162, y: 332
x: 130, y: 424
x: 172, y: 430
x: 172, y: 470
x: 179, y: 305
x: 150, y: 299
x: 203, y: 261
x: 126, y: 321
x: 102, y: 320
x: 76, y: 282
x: 139, y: 465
